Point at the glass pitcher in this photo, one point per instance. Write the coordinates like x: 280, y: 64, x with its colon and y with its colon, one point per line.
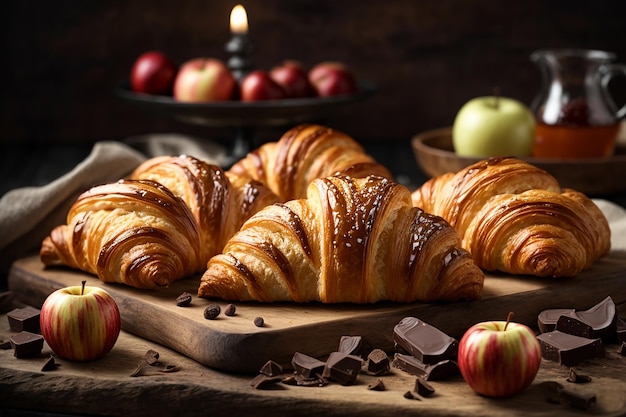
x: 576, y: 114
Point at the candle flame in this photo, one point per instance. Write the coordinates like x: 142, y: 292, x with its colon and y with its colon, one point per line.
x: 239, y: 20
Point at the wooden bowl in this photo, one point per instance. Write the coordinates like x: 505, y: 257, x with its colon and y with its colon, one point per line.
x: 594, y: 176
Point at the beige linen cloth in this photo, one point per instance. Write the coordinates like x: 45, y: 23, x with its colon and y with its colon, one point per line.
x: 27, y: 215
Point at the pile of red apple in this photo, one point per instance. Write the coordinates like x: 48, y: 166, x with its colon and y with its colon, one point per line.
x: 209, y: 79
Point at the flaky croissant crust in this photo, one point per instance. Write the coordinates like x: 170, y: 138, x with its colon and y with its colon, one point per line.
x: 353, y: 240
x: 306, y: 152
x: 161, y: 225
x: 514, y: 217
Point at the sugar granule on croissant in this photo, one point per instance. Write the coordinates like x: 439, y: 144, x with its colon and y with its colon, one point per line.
x: 355, y: 240
x: 514, y: 217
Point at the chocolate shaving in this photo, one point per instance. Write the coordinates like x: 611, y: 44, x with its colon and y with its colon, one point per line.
x: 152, y: 357
x: 271, y: 368
x: 410, y: 395
x: 423, y: 388
x: 50, y: 365
x: 377, y: 385
x: 169, y: 369
x: 577, y: 378
x: 263, y: 381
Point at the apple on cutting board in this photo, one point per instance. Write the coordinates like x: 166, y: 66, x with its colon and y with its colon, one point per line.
x: 494, y: 126
x: 499, y: 358
x: 80, y: 323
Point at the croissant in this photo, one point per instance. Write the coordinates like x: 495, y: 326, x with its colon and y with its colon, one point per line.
x: 161, y: 225
x: 514, y: 217
x: 355, y: 240
x: 304, y: 153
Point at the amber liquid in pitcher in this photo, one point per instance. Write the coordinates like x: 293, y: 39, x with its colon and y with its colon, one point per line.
x: 567, y: 141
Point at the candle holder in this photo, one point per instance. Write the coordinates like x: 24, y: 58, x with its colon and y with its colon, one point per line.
x: 240, y: 49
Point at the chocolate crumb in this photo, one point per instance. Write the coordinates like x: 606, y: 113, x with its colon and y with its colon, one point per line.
x: 184, y: 299
x: 377, y: 385
x: 212, y: 311
x: 410, y: 395
x: 423, y: 388
x: 577, y: 378
x: 170, y: 368
x: 152, y: 357
x: 230, y: 310
x: 50, y: 365
x: 259, y: 322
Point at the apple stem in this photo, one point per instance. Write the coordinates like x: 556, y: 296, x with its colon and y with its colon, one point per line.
x: 82, y: 290
x: 508, y: 320
x: 496, y: 94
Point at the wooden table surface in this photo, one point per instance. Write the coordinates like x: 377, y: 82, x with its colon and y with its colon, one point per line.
x: 106, y: 387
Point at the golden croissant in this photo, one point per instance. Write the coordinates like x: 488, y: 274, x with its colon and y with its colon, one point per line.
x: 161, y: 225
x: 514, y: 217
x: 304, y: 153
x: 355, y: 240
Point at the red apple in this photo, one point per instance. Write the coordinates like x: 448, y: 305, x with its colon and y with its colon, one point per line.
x: 258, y: 85
x: 498, y: 358
x: 204, y: 80
x: 332, y: 79
x: 293, y: 77
x: 153, y: 73
x: 80, y: 323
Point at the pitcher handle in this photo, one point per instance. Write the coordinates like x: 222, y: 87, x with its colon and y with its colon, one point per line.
x: 608, y: 72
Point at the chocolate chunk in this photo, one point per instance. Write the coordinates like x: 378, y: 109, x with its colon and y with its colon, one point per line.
x: 263, y: 381
x: 567, y: 349
x: 423, y: 388
x: 342, y: 367
x: 620, y: 330
x: 599, y: 322
x: 26, y: 344
x: 423, y: 341
x: 212, y: 311
x: 547, y: 318
x: 271, y: 368
x: 576, y: 378
x: 259, y: 322
x: 354, y: 345
x: 622, y: 349
x: 50, y: 365
x: 307, y: 366
x: 230, y: 310
x: 377, y: 385
x: 24, y: 319
x: 377, y: 362
x: 578, y: 399
x: 184, y: 299
x: 431, y: 372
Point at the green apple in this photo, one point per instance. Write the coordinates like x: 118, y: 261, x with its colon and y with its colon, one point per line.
x: 493, y: 126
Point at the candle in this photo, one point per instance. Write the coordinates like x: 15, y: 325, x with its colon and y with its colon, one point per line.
x: 239, y: 20
x: 239, y: 45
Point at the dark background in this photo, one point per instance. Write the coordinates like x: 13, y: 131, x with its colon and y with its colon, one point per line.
x: 62, y: 60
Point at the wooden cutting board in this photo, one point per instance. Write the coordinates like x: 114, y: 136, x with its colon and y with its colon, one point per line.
x: 236, y: 344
